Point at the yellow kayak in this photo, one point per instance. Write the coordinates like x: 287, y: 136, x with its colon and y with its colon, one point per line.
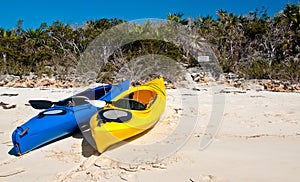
x: 129, y: 114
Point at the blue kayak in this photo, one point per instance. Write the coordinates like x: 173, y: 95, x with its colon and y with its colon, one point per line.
x: 63, y: 118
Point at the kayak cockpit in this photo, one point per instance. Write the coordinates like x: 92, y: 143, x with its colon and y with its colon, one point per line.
x: 137, y: 100
x: 83, y: 97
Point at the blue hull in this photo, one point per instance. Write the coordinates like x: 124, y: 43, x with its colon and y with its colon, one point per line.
x: 61, y: 119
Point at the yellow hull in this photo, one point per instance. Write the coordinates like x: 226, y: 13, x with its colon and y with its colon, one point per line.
x: 151, y: 94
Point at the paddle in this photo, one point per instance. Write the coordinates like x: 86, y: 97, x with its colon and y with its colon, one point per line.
x: 124, y: 103
x: 78, y: 100
x: 45, y: 104
x: 41, y: 104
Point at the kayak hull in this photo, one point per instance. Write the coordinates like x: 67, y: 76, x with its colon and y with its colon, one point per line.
x: 59, y: 121
x: 108, y: 132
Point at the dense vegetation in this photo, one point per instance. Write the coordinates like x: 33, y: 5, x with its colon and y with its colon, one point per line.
x: 254, y: 46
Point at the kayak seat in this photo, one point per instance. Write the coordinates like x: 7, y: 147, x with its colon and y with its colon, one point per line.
x: 129, y: 104
x: 143, y: 96
x: 113, y: 115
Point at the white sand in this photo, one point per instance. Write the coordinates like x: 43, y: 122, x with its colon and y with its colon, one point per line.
x: 259, y: 140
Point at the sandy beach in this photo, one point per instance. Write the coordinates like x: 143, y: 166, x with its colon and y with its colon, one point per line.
x: 258, y: 139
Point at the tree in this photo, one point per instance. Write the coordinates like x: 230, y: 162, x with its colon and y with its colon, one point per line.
x: 19, y: 27
x: 177, y: 17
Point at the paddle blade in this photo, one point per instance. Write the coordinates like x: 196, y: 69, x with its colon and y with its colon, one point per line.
x: 40, y: 104
x: 97, y: 103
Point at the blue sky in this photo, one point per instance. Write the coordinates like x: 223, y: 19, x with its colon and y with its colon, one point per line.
x: 34, y: 12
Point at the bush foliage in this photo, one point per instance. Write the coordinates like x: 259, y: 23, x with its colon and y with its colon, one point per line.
x: 254, y: 46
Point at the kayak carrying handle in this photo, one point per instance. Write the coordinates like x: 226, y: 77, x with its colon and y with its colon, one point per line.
x: 23, y: 132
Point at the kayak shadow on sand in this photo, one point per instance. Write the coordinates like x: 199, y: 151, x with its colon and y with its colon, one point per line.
x: 88, y: 145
